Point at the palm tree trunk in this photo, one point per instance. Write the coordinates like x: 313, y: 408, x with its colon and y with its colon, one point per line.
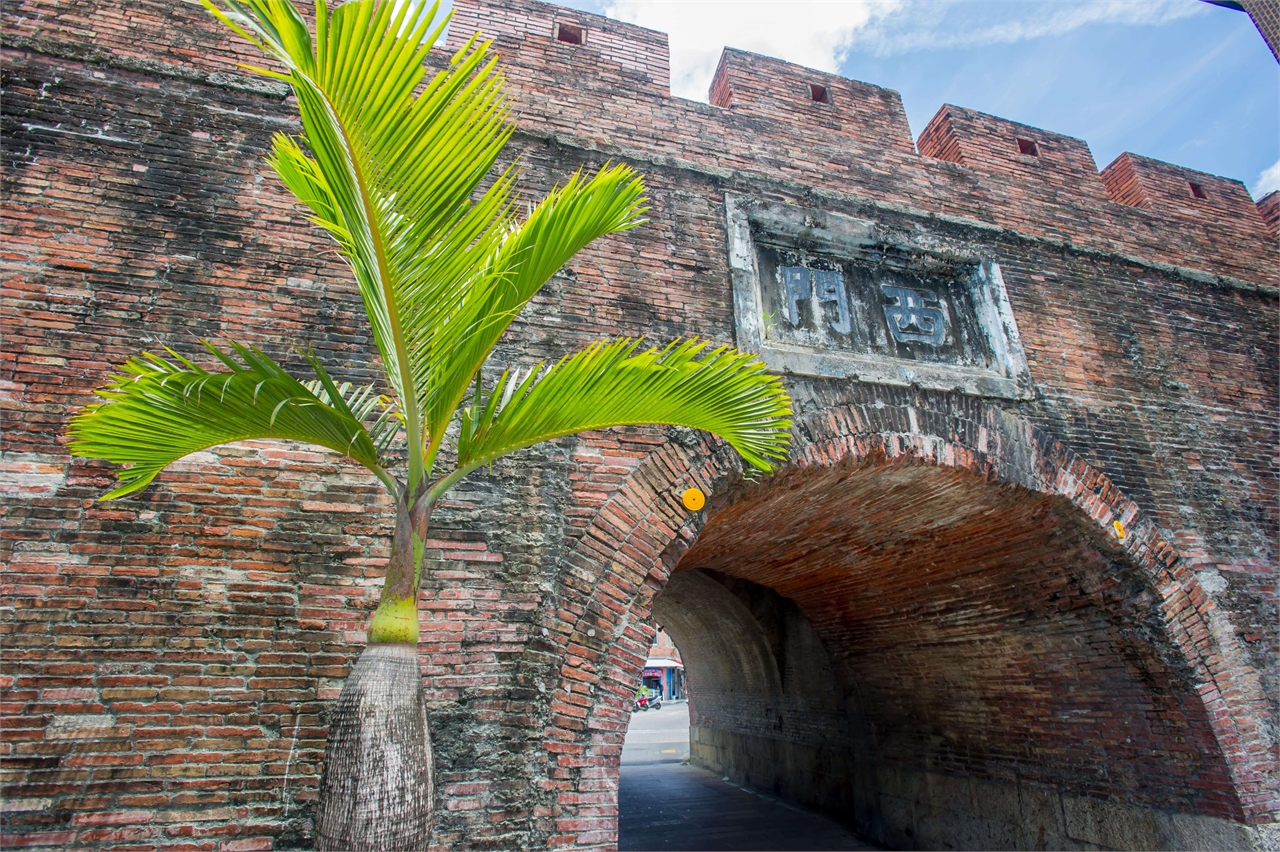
x: 376, y: 787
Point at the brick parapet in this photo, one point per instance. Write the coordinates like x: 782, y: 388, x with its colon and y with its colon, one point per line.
x: 1054, y: 167
x: 785, y: 93
x: 154, y: 35
x: 1269, y: 208
x: 802, y: 141
x: 642, y: 51
x: 859, y: 149
x: 1193, y: 196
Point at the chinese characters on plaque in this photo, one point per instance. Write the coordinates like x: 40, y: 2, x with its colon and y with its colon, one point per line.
x: 912, y: 315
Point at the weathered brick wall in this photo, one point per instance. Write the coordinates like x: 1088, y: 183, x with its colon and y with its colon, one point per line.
x: 1269, y: 207
x: 168, y: 658
x: 950, y: 597
x: 642, y: 55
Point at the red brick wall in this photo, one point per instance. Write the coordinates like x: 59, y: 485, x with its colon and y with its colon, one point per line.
x: 1192, y: 196
x: 161, y: 652
x: 1135, y: 605
x: 1060, y: 172
x: 642, y: 55
x: 783, y: 92
x: 1269, y: 208
x: 766, y: 707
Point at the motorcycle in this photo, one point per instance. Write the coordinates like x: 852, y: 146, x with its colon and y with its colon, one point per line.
x: 647, y: 703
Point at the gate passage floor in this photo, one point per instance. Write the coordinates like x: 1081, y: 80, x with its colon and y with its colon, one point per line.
x: 665, y: 804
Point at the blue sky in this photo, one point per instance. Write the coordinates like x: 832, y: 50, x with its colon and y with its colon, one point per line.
x: 1177, y: 80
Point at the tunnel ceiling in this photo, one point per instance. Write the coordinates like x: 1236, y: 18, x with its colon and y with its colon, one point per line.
x: 774, y: 529
x: 981, y: 628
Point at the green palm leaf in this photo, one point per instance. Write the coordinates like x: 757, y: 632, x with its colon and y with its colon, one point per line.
x: 559, y: 227
x: 157, y: 411
x: 391, y: 175
x: 391, y: 164
x: 609, y: 384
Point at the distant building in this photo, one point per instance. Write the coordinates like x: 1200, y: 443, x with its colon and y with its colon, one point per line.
x: 663, y: 670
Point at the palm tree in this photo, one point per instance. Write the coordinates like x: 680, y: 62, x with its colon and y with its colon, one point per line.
x: 393, y: 172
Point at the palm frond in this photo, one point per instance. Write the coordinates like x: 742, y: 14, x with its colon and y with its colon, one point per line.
x: 389, y: 173
x: 360, y: 402
x: 560, y: 226
x: 391, y: 176
x: 686, y: 383
x: 391, y: 164
x: 157, y: 411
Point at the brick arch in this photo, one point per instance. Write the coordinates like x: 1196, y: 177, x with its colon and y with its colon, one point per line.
x: 636, y: 539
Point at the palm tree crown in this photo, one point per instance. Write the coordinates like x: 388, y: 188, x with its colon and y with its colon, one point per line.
x: 391, y: 163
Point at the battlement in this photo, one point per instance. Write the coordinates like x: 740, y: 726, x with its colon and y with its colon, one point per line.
x: 1019, y: 152
x: 1269, y: 207
x: 1154, y: 185
x: 606, y: 85
x: 568, y: 35
x: 760, y: 85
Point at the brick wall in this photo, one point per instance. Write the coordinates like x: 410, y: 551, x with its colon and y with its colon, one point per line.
x: 642, y: 55
x: 1269, y: 208
x: 970, y: 645
x: 169, y: 658
x: 766, y: 708
x: 1266, y: 17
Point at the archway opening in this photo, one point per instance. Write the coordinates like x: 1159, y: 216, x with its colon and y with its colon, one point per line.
x: 939, y: 661
x: 658, y: 732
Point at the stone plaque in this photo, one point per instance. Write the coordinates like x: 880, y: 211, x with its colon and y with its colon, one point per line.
x: 820, y: 294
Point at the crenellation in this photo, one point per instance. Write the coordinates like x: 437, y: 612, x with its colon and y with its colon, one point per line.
x: 559, y: 31
x: 785, y: 92
x: 1122, y: 183
x: 764, y: 124
x: 149, y: 32
x: 1186, y: 193
x: 938, y: 139
x: 1052, y: 165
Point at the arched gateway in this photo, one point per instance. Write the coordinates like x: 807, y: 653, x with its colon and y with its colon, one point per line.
x: 937, y: 618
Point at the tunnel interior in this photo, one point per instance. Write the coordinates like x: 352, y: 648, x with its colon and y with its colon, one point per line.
x: 939, y: 661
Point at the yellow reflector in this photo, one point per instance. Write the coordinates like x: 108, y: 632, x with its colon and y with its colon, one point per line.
x: 694, y: 499
x: 1119, y: 528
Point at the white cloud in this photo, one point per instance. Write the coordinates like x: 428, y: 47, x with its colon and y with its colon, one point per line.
x: 1268, y: 181
x: 927, y: 24
x: 820, y: 34
x: 813, y: 34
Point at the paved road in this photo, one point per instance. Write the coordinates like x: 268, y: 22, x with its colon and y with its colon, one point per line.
x: 664, y: 804
x: 658, y: 736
